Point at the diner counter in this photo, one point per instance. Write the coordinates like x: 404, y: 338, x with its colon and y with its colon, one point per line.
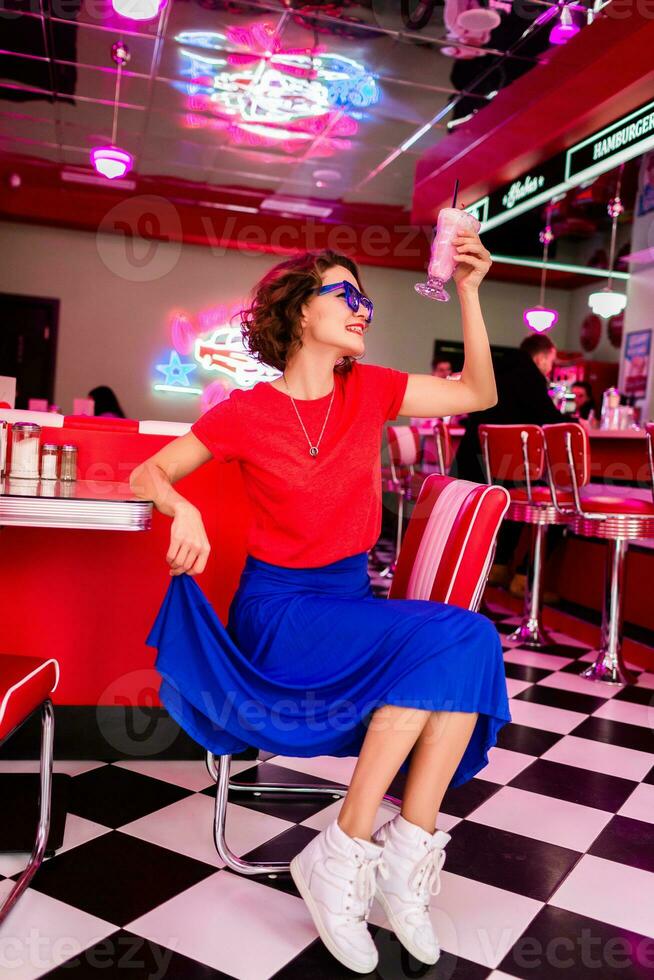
x: 86, y: 594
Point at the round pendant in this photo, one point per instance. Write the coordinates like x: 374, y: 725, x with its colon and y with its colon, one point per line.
x: 313, y: 451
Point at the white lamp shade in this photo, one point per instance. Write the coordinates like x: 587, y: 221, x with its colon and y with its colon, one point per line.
x: 606, y: 303
x: 137, y: 9
x: 540, y: 319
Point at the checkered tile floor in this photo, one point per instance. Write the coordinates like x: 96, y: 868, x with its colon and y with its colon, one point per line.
x: 549, y: 873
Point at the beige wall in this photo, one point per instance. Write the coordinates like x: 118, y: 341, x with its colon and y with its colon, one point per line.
x: 116, y: 307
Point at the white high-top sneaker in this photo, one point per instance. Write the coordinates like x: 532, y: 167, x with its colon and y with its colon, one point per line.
x: 335, y: 875
x: 412, y: 860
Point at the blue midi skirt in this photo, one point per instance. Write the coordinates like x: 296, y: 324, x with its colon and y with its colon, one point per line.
x: 309, y: 654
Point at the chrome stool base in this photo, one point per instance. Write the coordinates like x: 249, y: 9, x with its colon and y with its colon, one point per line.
x: 531, y: 634
x: 606, y: 669
x: 223, y: 784
x: 609, y: 666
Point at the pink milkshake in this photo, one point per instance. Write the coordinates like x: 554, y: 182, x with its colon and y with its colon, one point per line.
x: 451, y: 221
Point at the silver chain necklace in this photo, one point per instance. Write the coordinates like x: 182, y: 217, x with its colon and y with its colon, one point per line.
x: 313, y: 450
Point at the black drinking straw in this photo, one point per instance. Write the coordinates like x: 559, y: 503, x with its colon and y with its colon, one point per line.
x: 456, y: 192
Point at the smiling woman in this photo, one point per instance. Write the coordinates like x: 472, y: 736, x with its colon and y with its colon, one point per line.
x: 415, y: 676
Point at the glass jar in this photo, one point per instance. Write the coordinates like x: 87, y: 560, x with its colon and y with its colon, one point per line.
x: 25, y: 450
x: 3, y: 447
x: 49, y: 461
x: 68, y: 468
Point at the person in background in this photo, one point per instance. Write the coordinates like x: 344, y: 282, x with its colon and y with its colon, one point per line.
x: 522, y: 398
x: 106, y: 403
x: 584, y: 403
x: 441, y: 368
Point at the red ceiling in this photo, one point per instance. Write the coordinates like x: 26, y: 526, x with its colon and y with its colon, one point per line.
x: 598, y: 76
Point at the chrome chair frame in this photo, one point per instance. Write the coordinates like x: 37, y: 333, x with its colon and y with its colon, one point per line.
x: 43, y: 828
x: 220, y: 773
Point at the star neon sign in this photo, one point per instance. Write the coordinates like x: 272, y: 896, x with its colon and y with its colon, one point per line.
x: 176, y: 375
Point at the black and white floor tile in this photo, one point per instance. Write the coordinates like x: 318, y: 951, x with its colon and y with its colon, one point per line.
x: 549, y: 873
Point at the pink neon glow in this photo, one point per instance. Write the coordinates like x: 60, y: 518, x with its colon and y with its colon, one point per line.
x: 138, y: 9
x: 540, y: 319
x: 111, y: 161
x: 182, y: 333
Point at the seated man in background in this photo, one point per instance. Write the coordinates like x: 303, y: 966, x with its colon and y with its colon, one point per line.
x: 584, y: 403
x: 522, y: 399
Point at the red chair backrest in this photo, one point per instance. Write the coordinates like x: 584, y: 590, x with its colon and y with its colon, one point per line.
x: 404, y: 446
x: 513, y: 452
x: 448, y: 547
x: 563, y: 464
x: 649, y: 429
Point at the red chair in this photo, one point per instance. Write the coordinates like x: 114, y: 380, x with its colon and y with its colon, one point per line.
x: 26, y: 684
x: 446, y: 557
x: 649, y: 429
x: 400, y: 478
x: 437, y: 456
x: 516, y: 454
x: 615, y: 514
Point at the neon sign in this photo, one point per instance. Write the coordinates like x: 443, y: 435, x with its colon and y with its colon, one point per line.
x: 267, y: 93
x: 225, y: 354
x: 176, y: 376
x: 216, y: 347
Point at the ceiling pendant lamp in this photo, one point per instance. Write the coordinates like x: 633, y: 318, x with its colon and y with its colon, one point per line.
x: 565, y: 28
x: 605, y: 302
x: 138, y: 9
x: 540, y: 318
x: 111, y: 161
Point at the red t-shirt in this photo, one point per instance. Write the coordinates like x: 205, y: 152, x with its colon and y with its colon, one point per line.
x: 309, y: 511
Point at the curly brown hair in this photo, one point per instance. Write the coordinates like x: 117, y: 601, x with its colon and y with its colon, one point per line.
x: 271, y: 326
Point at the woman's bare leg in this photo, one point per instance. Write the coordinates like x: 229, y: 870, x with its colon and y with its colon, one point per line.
x: 436, y: 755
x: 392, y: 733
x: 440, y: 739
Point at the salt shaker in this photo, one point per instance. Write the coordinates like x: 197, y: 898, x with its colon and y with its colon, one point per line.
x: 25, y: 450
x: 68, y: 469
x: 49, y: 461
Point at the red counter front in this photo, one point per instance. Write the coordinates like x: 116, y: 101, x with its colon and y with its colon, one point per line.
x: 89, y: 598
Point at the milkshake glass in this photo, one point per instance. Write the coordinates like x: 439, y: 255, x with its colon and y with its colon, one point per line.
x: 451, y: 221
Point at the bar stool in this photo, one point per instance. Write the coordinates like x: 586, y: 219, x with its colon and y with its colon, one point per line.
x: 400, y: 478
x: 614, y: 514
x: 26, y: 684
x: 446, y: 557
x: 516, y: 454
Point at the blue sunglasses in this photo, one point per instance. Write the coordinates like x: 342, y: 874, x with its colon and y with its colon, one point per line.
x: 353, y: 297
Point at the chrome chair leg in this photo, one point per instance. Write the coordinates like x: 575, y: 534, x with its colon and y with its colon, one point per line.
x: 45, y: 800
x: 220, y: 773
x: 609, y: 665
x: 530, y: 633
x: 389, y: 571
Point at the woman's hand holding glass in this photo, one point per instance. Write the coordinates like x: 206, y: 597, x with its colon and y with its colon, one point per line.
x: 189, y: 545
x: 472, y: 260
